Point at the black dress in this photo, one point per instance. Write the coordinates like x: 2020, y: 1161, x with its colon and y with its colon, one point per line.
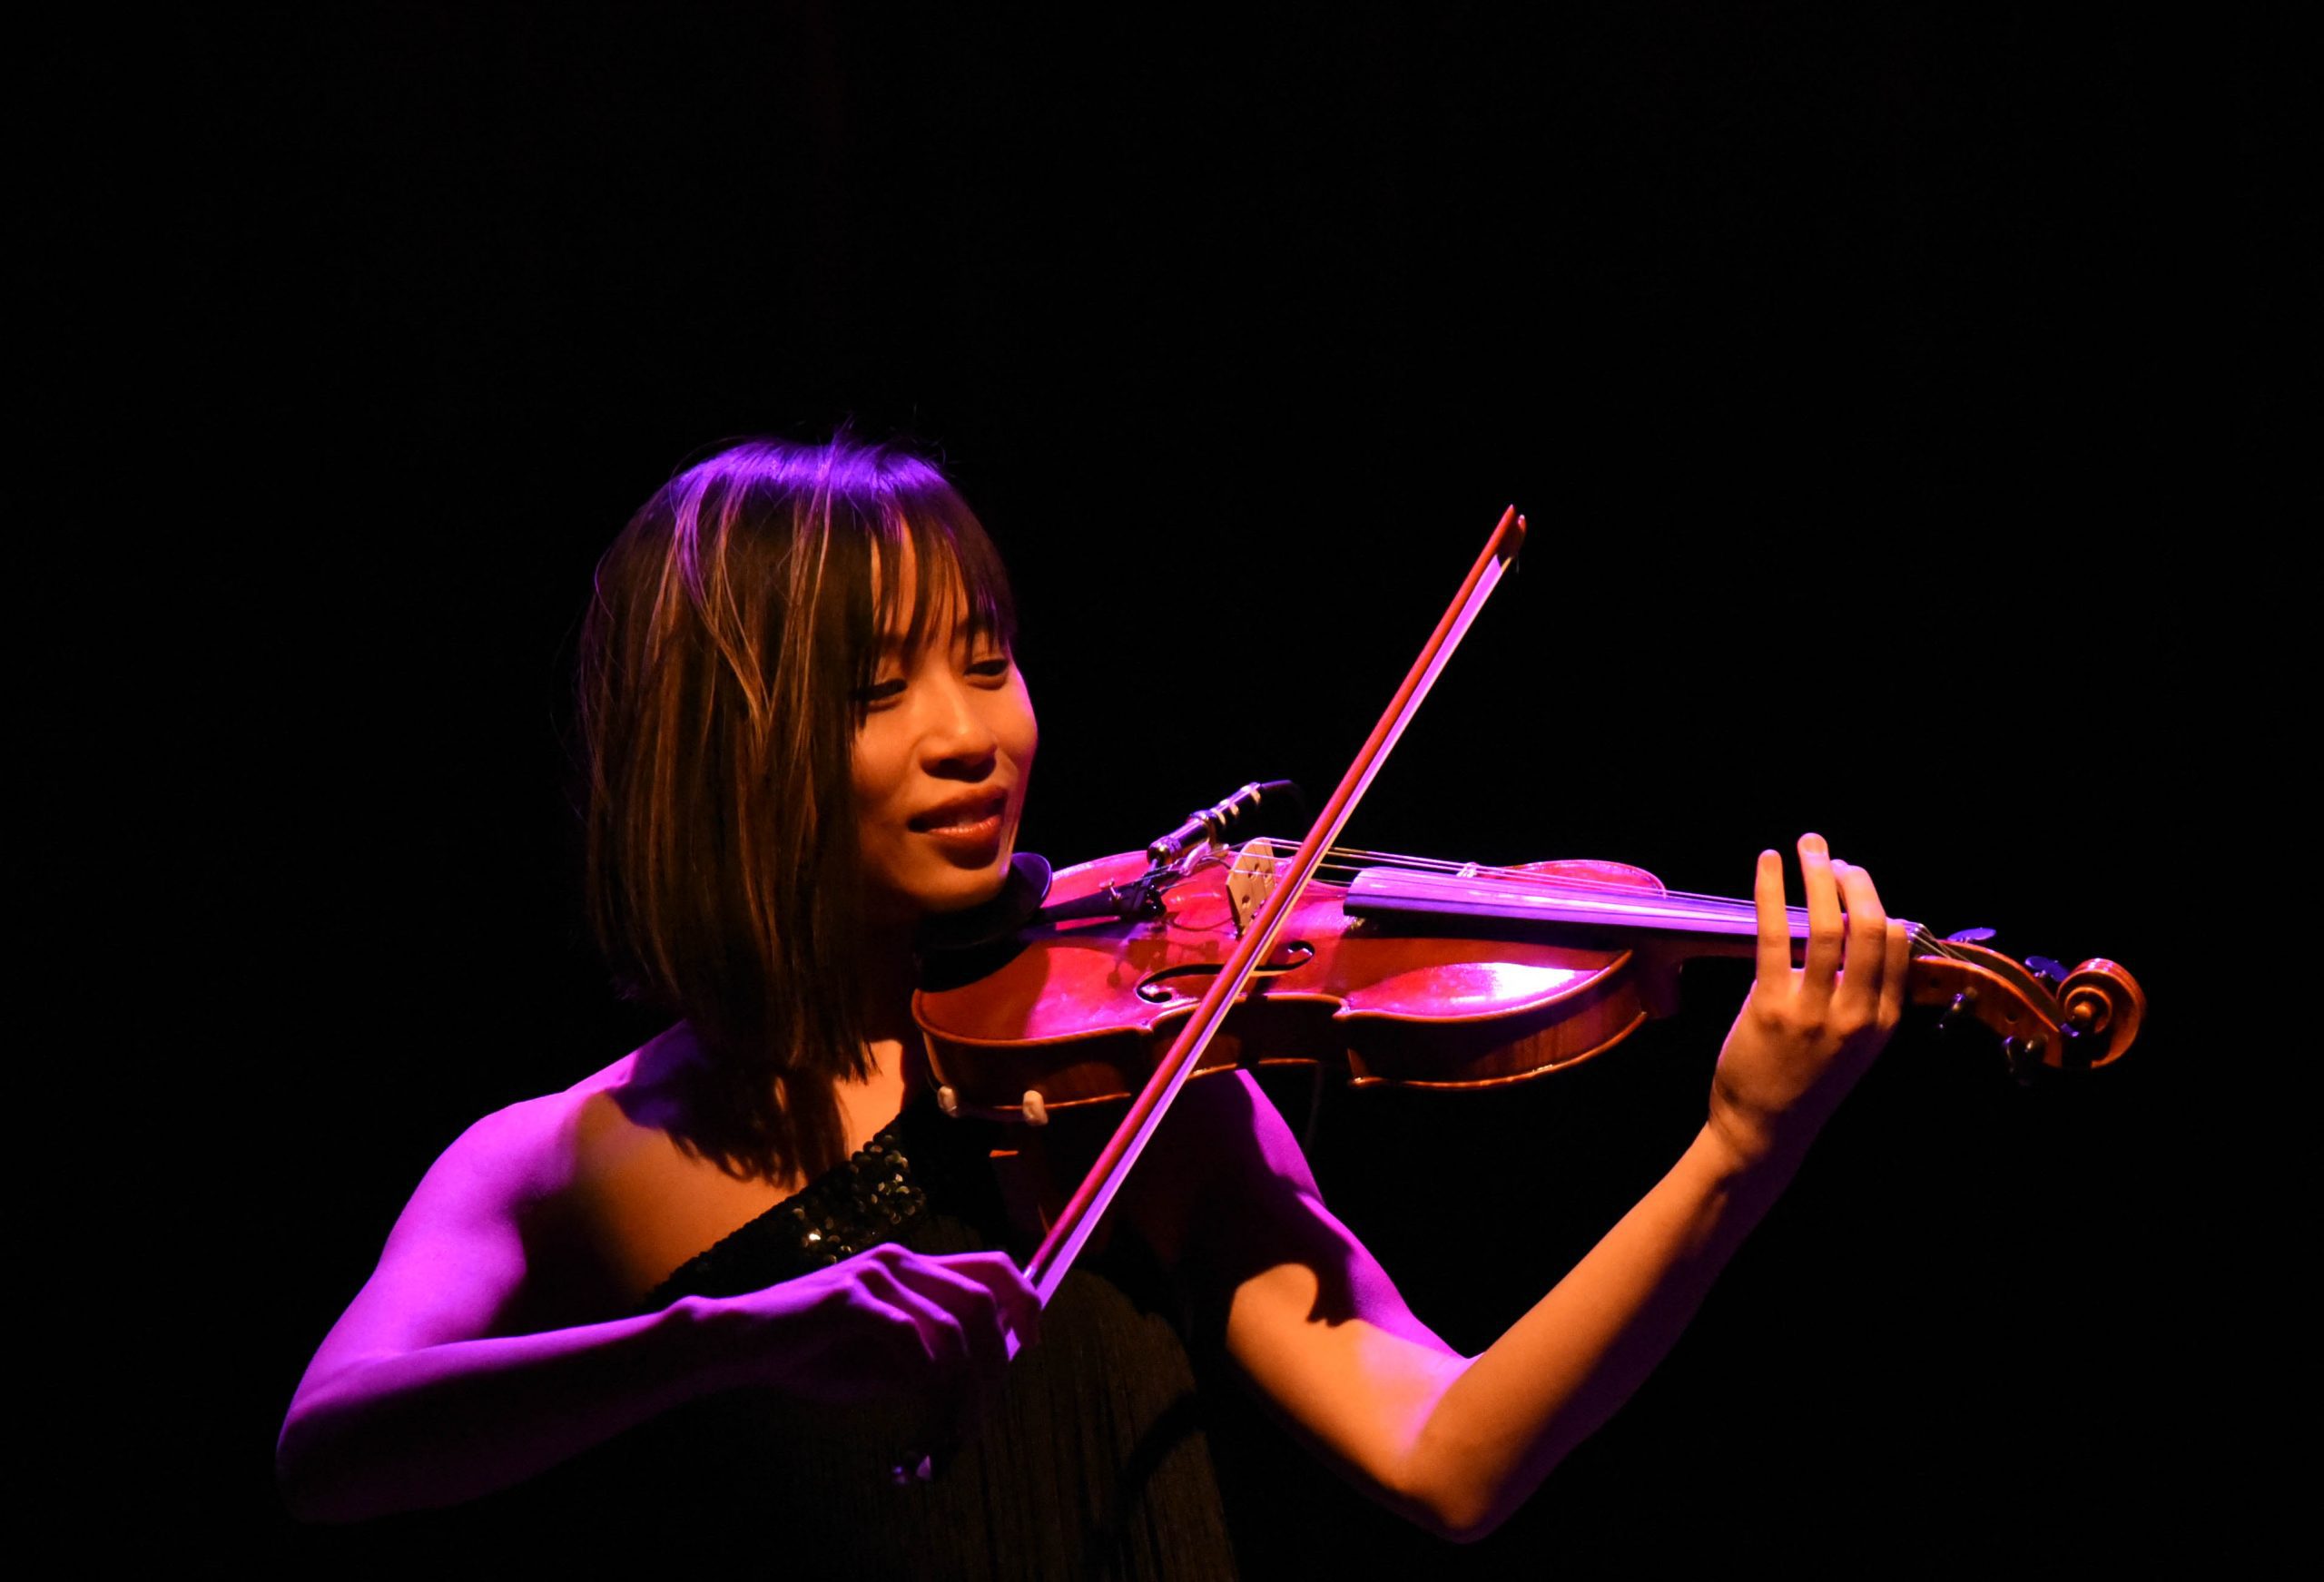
x: 1093, y: 1463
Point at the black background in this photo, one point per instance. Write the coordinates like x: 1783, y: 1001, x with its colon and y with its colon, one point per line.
x: 1876, y: 381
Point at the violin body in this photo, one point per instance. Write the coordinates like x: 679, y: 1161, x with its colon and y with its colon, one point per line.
x: 1078, y: 1012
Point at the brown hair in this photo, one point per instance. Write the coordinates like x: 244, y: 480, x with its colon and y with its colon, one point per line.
x: 736, y: 624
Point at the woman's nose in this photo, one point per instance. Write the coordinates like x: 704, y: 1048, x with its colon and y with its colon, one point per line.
x: 959, y: 737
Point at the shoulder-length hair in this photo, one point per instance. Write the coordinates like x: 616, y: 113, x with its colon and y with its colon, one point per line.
x: 735, y: 625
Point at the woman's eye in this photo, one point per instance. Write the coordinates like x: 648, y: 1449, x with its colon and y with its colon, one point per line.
x: 880, y: 691
x: 994, y: 667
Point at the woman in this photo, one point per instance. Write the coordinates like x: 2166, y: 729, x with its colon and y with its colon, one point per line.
x: 752, y: 1249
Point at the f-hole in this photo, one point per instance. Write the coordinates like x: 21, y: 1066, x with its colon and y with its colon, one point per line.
x: 1159, y: 988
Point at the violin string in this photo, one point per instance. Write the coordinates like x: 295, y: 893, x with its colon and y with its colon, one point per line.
x: 1348, y: 863
x: 1352, y: 859
x: 1345, y: 861
x: 1724, y: 906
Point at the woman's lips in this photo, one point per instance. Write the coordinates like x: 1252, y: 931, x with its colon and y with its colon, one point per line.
x: 980, y: 836
x: 966, y: 829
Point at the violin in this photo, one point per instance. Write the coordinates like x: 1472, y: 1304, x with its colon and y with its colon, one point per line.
x: 1130, y: 974
x: 1398, y: 971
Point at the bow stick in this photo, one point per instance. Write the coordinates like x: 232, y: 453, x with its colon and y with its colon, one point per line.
x: 1087, y: 1205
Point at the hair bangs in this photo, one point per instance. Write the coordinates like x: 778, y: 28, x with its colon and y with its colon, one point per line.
x: 957, y: 584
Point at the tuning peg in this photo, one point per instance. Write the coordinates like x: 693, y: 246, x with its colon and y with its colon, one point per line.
x: 1969, y: 936
x: 1953, y: 1014
x: 2024, y: 1055
x: 2048, y: 971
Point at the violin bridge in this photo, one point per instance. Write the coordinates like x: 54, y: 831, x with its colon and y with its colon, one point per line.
x: 1249, y: 881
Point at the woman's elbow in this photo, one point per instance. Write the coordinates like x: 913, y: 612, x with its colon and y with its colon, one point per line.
x: 306, y: 1493
x: 313, y: 1473
x: 1460, y: 1492
x: 1455, y: 1519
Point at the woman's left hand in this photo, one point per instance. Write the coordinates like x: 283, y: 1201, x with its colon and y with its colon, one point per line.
x: 1806, y: 1033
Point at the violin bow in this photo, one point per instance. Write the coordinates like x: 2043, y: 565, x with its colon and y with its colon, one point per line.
x: 1083, y: 1211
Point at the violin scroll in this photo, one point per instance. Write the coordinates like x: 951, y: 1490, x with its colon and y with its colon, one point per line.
x: 2086, y: 1020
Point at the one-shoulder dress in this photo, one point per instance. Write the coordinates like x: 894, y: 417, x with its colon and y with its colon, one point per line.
x: 1093, y: 1463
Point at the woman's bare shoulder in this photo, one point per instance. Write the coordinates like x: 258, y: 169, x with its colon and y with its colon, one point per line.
x: 615, y: 1200
x: 540, y: 1150
x: 579, y: 1182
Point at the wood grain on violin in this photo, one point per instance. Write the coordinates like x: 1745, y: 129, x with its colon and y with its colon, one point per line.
x: 1421, y: 974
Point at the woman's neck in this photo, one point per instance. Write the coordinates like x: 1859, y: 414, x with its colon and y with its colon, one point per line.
x: 891, y: 972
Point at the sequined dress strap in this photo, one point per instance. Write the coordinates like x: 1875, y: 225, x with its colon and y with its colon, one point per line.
x: 874, y: 1196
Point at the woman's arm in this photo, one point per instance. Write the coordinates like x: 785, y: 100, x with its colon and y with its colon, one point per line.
x: 1457, y: 1444
x: 415, y: 1400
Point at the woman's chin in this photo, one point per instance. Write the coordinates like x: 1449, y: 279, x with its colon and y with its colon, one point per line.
x: 983, y: 885
x: 960, y: 889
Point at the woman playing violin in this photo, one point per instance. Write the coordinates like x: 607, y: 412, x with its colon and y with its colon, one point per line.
x: 753, y: 1245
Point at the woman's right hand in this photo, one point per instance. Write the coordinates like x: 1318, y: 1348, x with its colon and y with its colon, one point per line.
x: 886, y: 1322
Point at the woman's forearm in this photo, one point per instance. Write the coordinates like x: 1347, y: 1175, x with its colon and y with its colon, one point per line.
x: 1561, y: 1369
x: 445, y: 1423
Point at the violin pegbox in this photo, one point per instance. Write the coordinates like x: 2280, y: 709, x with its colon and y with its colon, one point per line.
x: 2044, y: 1015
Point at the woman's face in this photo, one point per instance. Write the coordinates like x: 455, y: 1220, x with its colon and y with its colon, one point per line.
x: 942, y: 757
